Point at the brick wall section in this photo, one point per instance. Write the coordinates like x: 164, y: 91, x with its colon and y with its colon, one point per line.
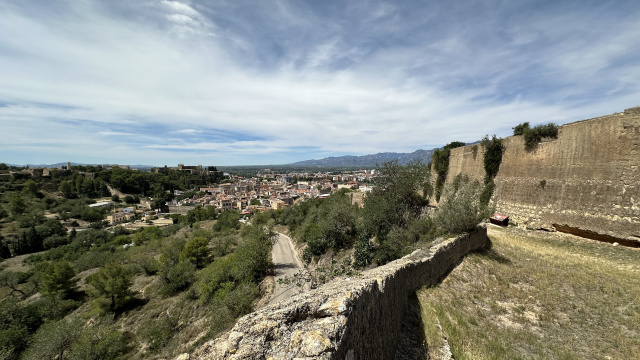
x: 592, y: 175
x: 357, y: 318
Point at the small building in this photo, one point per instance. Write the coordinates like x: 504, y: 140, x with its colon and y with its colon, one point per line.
x: 226, y: 204
x: 103, y: 204
x: 119, y: 217
x: 277, y: 204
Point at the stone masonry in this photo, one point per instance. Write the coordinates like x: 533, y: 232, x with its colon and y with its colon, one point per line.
x: 352, y: 318
x: 588, y: 178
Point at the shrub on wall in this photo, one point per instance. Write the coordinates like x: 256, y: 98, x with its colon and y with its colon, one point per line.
x: 521, y: 128
x: 493, y: 150
x: 440, y: 163
x: 533, y: 136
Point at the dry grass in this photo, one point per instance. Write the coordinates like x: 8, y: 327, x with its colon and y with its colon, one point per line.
x: 538, y: 296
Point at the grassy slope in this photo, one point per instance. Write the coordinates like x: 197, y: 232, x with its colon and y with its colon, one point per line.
x: 538, y: 296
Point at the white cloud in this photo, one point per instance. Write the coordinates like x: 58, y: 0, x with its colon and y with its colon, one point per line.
x: 180, y: 7
x: 87, y: 76
x: 114, y: 133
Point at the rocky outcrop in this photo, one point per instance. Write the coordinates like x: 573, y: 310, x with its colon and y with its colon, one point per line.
x: 351, y: 318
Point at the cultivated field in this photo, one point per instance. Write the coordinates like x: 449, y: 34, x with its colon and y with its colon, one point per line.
x: 537, y: 295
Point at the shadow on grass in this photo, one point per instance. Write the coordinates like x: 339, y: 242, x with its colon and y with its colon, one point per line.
x: 490, y: 253
x: 77, y: 295
x: 132, y: 304
x: 412, y: 342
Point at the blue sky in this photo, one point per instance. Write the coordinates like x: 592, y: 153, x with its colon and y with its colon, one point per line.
x: 269, y: 82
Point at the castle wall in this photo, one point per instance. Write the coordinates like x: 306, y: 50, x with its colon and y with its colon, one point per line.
x: 587, y: 178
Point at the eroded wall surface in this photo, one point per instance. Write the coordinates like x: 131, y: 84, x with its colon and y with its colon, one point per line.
x: 357, y: 318
x: 588, y: 178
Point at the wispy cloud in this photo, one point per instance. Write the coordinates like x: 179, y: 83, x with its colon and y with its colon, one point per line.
x: 254, y: 82
x: 114, y: 133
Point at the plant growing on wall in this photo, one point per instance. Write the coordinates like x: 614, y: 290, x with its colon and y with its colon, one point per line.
x: 493, y: 150
x: 533, y: 136
x: 440, y: 163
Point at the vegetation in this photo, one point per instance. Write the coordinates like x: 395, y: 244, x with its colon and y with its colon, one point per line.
x: 533, y: 136
x: 440, y: 163
x: 393, y: 220
x: 493, y: 150
x: 537, y: 296
x: 35, y: 213
x: 462, y: 208
x: 154, y: 282
x: 189, y: 273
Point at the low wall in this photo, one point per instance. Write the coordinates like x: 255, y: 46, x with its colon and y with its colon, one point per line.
x: 357, y: 318
x: 182, y: 210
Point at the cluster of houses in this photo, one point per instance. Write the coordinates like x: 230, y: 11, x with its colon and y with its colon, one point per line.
x: 269, y: 190
x: 266, y: 191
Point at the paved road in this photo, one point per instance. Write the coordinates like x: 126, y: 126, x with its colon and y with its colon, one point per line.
x: 285, y: 263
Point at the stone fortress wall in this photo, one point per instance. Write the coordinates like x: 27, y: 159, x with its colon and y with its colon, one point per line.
x: 357, y: 318
x: 587, y: 181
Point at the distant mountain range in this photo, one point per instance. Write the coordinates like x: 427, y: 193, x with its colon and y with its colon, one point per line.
x: 369, y: 160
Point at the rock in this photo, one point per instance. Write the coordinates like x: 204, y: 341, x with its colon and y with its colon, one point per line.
x: 184, y: 356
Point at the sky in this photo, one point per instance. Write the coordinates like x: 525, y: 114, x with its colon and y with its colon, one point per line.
x: 162, y: 82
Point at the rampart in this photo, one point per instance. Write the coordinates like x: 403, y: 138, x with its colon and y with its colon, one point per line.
x: 585, y: 181
x: 356, y: 318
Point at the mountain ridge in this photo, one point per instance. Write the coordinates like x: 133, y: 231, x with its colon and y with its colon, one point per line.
x: 369, y: 160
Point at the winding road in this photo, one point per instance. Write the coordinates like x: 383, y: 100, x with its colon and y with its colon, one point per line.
x: 285, y: 263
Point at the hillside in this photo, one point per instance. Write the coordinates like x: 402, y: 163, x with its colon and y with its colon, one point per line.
x: 369, y: 160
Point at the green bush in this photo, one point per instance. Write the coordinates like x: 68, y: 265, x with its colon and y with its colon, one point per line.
x: 99, y: 342
x: 362, y: 252
x: 58, y: 280
x: 161, y: 332
x: 461, y: 210
x: 227, y: 220
x: 197, y: 251
x: 493, y: 150
x: 521, y: 128
x: 53, y: 339
x: 178, y: 277
x: 440, y: 163
x: 487, y: 192
x: 533, y: 136
x: 111, y: 286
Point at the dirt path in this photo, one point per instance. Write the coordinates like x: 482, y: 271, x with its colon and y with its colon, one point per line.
x: 285, y: 263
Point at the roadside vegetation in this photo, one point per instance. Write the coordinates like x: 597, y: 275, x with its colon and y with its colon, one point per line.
x: 537, y: 296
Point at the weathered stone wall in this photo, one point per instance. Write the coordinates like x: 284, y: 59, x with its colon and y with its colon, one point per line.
x: 182, y: 210
x: 357, y: 318
x: 591, y: 176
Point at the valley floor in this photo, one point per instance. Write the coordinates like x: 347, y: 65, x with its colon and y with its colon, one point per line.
x: 537, y: 295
